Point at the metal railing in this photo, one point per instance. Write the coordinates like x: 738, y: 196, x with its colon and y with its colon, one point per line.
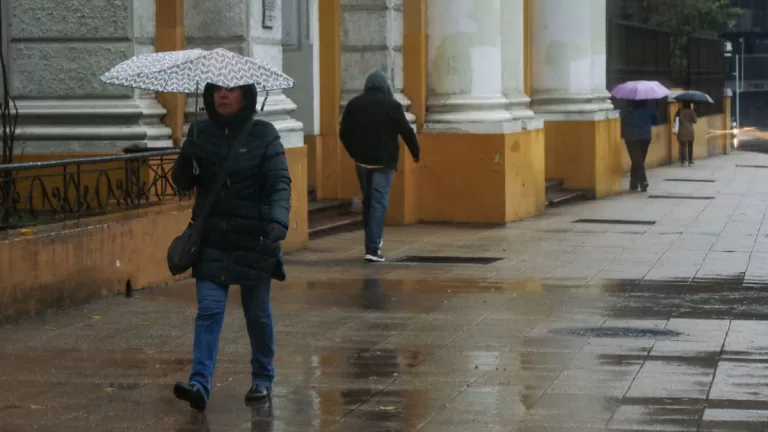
x: 35, y: 193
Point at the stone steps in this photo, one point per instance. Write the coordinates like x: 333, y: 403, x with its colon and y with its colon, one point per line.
x: 330, y: 217
x: 557, y: 196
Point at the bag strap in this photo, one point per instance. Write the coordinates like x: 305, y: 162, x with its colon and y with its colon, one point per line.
x: 223, y: 174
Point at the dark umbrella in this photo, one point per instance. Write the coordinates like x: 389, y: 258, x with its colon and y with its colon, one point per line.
x: 694, y: 97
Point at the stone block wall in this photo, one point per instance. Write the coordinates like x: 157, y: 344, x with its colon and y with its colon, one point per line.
x: 56, y: 55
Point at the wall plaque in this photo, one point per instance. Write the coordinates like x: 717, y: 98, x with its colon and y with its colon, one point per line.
x: 268, y: 13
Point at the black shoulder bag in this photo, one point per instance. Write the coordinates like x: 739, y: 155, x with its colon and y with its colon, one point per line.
x: 183, y: 250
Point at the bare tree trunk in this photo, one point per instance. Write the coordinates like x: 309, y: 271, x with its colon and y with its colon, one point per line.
x: 9, y: 116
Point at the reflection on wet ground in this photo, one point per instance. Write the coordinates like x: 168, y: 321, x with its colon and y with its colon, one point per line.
x: 409, y: 355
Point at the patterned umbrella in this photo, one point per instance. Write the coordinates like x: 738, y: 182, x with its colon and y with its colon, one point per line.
x: 187, y: 71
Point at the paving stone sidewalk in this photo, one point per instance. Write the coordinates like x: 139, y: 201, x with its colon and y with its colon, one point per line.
x: 578, y: 328
x: 702, y: 222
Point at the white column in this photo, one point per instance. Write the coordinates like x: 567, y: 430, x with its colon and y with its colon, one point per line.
x: 372, y: 38
x: 599, y: 51
x: 513, y: 58
x: 465, y: 90
x: 568, y: 59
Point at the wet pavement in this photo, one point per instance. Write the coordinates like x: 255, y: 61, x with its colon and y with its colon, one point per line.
x: 578, y: 327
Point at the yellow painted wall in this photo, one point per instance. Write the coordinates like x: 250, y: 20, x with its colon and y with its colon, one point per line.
x: 658, y: 152
x: 665, y: 148
x: 404, y: 195
x: 726, y: 126
x: 584, y: 154
x: 169, y: 36
x: 492, y: 178
x: 298, y: 231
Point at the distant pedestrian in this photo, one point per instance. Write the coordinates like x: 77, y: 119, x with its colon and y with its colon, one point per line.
x: 370, y: 127
x: 249, y: 217
x: 686, y: 134
x: 637, y: 121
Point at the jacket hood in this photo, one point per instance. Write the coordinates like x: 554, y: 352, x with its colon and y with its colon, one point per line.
x: 377, y: 82
x: 245, y: 114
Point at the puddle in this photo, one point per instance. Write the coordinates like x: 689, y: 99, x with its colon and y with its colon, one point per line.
x: 377, y: 353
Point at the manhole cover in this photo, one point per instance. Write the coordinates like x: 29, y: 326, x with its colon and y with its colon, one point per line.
x: 616, y: 332
x: 413, y: 259
x: 614, y: 221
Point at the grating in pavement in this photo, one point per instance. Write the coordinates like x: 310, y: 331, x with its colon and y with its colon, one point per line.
x: 415, y: 259
x: 616, y: 332
x: 681, y: 197
x: 615, y: 221
x: 690, y: 180
x: 751, y: 166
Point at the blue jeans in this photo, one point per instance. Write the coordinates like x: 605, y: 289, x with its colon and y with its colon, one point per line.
x: 375, y: 184
x: 211, y: 305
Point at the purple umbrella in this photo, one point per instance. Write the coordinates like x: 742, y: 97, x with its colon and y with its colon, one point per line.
x: 640, y: 90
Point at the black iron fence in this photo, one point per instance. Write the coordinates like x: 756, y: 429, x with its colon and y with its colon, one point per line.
x: 36, y: 193
x: 637, y: 52
x: 706, y: 71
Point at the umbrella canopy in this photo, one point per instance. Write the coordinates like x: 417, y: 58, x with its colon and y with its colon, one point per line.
x: 640, y: 90
x: 187, y: 71
x: 694, y: 96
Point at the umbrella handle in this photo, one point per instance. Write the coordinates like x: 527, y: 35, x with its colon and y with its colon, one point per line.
x: 264, y: 102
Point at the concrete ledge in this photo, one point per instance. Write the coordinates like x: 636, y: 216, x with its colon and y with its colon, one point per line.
x: 76, y: 262
x: 71, y: 263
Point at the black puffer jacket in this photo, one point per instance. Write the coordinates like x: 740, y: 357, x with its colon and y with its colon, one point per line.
x: 372, y: 122
x: 236, y: 246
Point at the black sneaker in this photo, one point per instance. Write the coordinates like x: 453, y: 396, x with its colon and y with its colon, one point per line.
x: 374, y: 257
x: 644, y: 187
x: 258, y: 393
x: 190, y: 393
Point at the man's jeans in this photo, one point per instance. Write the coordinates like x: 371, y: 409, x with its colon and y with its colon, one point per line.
x: 211, y: 304
x: 375, y: 184
x: 638, y: 152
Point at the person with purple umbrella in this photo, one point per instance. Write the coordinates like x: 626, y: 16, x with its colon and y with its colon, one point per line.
x: 637, y: 121
x: 638, y: 118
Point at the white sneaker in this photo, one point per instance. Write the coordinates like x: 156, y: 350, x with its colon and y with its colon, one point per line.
x: 374, y: 257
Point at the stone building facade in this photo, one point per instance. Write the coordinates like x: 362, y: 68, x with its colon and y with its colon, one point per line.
x: 503, y: 93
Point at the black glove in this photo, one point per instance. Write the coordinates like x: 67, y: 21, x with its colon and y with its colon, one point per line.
x: 276, y: 232
x: 186, y: 163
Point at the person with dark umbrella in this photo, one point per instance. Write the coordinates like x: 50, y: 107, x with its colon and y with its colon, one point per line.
x: 686, y: 134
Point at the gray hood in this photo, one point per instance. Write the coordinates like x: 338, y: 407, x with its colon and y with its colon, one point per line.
x: 377, y: 82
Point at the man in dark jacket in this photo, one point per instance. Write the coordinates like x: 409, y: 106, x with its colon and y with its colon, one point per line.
x: 637, y: 121
x: 370, y: 127
x: 242, y: 233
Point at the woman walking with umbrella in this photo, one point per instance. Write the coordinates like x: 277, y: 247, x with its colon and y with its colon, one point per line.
x: 237, y: 166
x: 685, y: 119
x: 637, y: 121
x: 686, y: 134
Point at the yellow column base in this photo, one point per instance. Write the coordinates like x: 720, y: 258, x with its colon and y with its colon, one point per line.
x: 404, y: 194
x: 298, y: 231
x: 481, y: 178
x: 585, y: 154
